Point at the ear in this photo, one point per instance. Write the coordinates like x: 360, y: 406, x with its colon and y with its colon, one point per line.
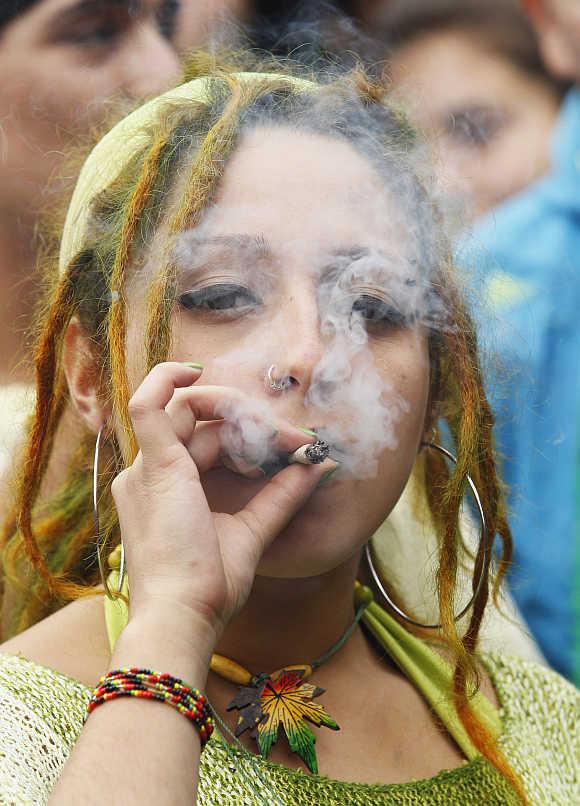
x: 82, y: 369
x: 433, y: 409
x: 431, y: 420
x: 559, y: 54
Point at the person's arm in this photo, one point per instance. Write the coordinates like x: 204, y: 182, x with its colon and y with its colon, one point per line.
x: 190, y: 572
x: 134, y: 751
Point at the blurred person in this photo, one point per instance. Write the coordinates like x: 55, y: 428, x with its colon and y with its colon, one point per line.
x: 472, y: 75
x: 528, y: 249
x: 61, y: 63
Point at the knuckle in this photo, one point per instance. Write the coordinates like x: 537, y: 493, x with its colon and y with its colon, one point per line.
x: 253, y: 523
x: 120, y: 483
x: 137, y: 408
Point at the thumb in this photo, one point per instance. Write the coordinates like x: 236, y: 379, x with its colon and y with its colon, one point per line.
x: 270, y: 510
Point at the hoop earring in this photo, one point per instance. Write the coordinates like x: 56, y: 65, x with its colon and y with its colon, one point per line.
x: 96, y: 519
x: 484, y: 542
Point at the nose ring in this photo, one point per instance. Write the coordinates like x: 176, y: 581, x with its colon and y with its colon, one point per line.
x: 275, y: 384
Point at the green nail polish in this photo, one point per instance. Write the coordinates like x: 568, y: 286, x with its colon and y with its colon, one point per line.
x: 327, y: 476
x: 192, y: 364
x: 306, y: 431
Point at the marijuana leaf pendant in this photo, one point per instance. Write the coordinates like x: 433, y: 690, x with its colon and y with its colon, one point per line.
x: 282, y: 698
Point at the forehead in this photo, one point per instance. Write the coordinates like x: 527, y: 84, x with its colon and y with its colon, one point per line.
x: 63, y: 11
x: 301, y: 188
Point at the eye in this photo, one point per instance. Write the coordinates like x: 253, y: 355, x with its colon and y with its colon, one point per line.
x: 377, y: 312
x: 98, y: 36
x: 167, y: 17
x: 220, y: 297
x: 475, y: 127
x: 95, y: 30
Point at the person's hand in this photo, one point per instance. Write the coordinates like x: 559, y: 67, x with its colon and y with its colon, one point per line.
x: 179, y: 553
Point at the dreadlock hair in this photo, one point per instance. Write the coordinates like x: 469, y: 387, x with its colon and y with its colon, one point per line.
x: 48, y: 547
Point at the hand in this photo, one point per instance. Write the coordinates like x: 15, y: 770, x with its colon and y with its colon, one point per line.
x: 178, y: 552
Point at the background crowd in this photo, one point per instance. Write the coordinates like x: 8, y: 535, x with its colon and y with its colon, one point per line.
x: 492, y: 86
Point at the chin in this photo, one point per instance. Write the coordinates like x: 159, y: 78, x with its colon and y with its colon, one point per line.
x: 307, y: 547
x: 319, y: 538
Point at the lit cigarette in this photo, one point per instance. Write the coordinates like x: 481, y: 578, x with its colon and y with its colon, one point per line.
x: 311, y: 454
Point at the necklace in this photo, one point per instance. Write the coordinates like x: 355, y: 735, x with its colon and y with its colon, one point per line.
x: 284, y: 698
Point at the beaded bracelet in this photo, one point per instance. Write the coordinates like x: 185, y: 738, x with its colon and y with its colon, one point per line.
x: 150, y: 685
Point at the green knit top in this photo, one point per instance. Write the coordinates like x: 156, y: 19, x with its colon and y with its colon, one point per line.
x: 42, y: 712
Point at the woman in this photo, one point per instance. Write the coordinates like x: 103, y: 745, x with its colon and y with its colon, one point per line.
x: 63, y: 63
x: 473, y: 75
x: 274, y: 230
x: 66, y: 61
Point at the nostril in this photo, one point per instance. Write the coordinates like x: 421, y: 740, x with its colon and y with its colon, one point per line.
x: 282, y: 383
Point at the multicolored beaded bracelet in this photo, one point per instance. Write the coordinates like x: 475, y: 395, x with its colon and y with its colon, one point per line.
x: 150, y: 685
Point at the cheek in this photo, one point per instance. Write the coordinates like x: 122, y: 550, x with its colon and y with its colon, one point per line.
x: 405, y: 370
x: 70, y: 91
x: 235, y: 355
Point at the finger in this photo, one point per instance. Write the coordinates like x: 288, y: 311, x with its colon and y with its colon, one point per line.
x: 271, y: 509
x: 208, y: 445
x: 250, y: 435
x: 152, y: 425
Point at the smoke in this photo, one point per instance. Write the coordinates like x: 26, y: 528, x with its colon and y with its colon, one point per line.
x: 387, y: 286
x: 352, y: 405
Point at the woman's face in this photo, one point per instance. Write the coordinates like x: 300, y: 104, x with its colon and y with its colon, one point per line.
x: 491, y: 121
x: 60, y: 62
x: 302, y: 263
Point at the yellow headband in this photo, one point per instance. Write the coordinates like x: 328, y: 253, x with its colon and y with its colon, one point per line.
x: 115, y: 150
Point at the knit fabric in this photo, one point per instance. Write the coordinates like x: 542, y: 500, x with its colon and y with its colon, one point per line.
x: 42, y: 712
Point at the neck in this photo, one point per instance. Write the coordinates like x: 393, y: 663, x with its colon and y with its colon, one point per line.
x: 291, y: 621
x: 16, y: 296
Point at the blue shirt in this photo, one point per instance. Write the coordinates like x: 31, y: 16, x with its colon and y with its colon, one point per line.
x: 528, y: 251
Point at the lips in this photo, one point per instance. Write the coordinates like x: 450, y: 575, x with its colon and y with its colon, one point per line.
x: 338, y: 450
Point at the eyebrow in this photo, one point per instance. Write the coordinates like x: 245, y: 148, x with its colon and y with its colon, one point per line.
x: 190, y: 256
x: 353, y: 252
x: 167, y: 14
x: 257, y: 247
x: 252, y: 244
x: 83, y: 8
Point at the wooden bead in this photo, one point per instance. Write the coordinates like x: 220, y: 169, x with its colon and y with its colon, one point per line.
x: 230, y: 670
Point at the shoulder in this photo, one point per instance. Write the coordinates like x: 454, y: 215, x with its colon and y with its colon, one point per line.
x: 528, y: 680
x: 71, y: 642
x: 16, y: 403
x: 41, y: 716
x: 46, y: 676
x: 528, y: 236
x: 540, y: 713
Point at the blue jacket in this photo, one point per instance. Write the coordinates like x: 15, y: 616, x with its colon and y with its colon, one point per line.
x: 528, y: 252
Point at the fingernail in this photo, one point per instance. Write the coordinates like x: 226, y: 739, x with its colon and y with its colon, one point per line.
x: 327, y: 476
x: 305, y: 430
x: 192, y: 364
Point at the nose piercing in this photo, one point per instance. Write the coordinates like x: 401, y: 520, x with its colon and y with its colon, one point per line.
x: 276, y: 384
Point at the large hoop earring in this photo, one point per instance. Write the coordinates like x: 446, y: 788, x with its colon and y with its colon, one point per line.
x: 97, y: 525
x: 484, y: 545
